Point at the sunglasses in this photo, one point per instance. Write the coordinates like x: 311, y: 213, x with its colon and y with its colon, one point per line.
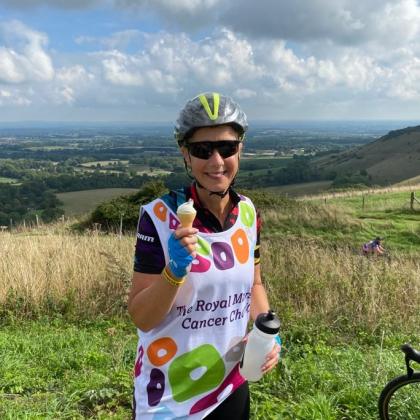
x: 204, y: 149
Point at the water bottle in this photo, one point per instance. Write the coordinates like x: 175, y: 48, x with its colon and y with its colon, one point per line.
x: 260, y: 342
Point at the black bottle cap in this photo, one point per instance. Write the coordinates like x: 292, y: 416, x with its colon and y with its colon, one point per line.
x: 268, y: 322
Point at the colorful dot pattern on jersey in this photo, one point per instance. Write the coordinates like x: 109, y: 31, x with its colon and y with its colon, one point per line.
x: 189, y: 363
x: 161, y: 351
x: 221, y: 253
x: 183, y: 386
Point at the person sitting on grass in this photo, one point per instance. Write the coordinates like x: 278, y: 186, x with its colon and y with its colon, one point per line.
x: 373, y: 247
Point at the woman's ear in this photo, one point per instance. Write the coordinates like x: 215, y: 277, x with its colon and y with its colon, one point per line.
x: 186, y: 156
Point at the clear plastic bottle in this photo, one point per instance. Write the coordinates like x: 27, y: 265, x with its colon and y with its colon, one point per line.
x: 260, y: 342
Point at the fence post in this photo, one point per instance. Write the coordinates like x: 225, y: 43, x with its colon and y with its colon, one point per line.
x: 363, y: 203
x: 412, y: 200
x: 121, y: 224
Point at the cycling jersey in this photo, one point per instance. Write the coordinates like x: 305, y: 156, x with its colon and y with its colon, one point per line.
x: 148, y: 242
x: 188, y: 364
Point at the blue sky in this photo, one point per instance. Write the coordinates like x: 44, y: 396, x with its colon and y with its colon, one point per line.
x: 140, y: 60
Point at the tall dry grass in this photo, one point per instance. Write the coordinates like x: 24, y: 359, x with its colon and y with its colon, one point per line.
x: 48, y: 271
x: 339, y: 288
x: 52, y: 272
x: 358, y: 192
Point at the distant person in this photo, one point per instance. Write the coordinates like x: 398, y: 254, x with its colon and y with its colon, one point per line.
x: 373, y: 247
x: 194, y: 288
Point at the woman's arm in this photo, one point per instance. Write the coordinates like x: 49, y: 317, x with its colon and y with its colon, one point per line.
x: 259, y: 300
x: 150, y: 299
x: 152, y: 295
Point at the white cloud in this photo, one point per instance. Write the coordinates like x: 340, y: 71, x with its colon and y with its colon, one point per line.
x: 186, y: 14
x: 272, y: 77
x: 70, y: 82
x: 23, y: 56
x: 65, y: 4
x: 341, y: 22
x: 13, y: 97
x: 122, y: 69
x: 244, y: 93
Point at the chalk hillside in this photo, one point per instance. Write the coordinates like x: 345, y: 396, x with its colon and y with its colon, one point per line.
x: 391, y: 159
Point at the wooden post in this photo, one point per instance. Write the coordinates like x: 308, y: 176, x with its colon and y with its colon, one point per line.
x: 363, y: 203
x: 412, y: 200
x: 121, y: 224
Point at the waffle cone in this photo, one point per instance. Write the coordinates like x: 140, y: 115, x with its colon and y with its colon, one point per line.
x: 186, y: 219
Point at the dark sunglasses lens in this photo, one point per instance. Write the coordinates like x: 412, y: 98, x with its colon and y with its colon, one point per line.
x: 227, y: 149
x: 203, y: 150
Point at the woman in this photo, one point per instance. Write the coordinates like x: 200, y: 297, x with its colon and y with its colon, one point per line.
x: 373, y: 247
x: 194, y: 288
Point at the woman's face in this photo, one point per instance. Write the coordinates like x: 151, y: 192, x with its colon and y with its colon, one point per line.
x: 215, y: 173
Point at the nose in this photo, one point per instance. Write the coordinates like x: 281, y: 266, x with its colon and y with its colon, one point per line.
x: 216, y: 157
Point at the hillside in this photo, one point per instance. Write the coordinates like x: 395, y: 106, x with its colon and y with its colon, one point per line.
x: 392, y: 158
x: 68, y: 346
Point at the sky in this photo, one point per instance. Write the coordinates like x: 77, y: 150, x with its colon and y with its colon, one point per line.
x: 141, y: 60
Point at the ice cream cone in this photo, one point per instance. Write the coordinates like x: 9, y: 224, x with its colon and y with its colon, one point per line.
x: 186, y: 214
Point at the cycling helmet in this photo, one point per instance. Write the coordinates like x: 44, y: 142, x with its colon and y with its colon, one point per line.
x: 207, y: 110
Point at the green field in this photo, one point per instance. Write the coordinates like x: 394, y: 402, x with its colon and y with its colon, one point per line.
x: 4, y: 180
x: 59, y: 369
x: 104, y: 163
x: 387, y: 215
x: 304, y: 188
x: 68, y: 347
x: 81, y: 202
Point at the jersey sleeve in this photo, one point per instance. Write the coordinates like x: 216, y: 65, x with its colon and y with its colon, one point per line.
x: 148, y: 257
x: 257, y: 246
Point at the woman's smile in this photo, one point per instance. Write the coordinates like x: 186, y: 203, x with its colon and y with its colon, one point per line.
x: 217, y: 175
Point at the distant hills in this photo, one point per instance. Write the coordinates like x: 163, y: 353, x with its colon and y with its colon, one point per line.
x: 393, y: 158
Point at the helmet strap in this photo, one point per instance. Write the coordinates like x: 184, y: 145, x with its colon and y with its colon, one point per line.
x: 220, y: 194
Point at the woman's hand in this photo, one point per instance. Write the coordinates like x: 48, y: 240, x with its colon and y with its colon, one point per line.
x: 272, y: 358
x: 182, y: 250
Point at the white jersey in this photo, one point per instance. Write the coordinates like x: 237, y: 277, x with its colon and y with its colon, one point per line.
x: 188, y: 364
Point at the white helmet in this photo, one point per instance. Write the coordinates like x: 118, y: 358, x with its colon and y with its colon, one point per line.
x: 207, y: 110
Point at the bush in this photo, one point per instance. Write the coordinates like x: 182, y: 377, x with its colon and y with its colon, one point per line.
x: 108, y: 215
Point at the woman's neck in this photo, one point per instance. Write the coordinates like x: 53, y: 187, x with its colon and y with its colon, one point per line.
x: 219, y: 206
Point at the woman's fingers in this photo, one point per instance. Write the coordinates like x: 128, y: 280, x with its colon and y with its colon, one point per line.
x: 183, y: 232
x: 190, y: 244
x: 188, y: 239
x: 272, y: 359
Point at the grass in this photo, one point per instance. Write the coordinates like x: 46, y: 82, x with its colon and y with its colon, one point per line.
x: 4, y: 180
x: 385, y: 214
x: 55, y: 369
x: 81, y: 202
x: 304, y: 188
x: 77, y: 275
x: 68, y: 347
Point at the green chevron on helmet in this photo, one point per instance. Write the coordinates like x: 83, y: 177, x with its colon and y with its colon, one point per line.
x: 207, y: 110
